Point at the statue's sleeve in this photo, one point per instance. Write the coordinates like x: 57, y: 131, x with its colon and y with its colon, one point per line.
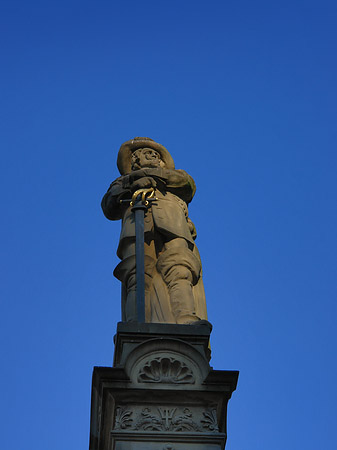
x: 111, y: 206
x: 181, y: 184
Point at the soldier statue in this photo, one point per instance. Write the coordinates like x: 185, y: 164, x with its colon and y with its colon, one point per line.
x: 174, y: 291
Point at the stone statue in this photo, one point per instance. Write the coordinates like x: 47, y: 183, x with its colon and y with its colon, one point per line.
x: 174, y: 291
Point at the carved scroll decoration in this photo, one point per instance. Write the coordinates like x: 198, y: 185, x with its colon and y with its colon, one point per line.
x: 166, y: 420
x: 123, y: 419
x: 210, y: 421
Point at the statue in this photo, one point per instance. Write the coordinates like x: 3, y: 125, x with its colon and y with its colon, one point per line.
x: 174, y: 291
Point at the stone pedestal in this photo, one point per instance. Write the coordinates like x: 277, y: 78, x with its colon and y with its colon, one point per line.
x: 161, y: 393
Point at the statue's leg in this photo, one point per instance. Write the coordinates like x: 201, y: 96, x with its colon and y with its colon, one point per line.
x: 180, y: 269
x: 126, y: 273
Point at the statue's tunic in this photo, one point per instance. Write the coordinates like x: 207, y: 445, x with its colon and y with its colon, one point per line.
x: 167, y: 215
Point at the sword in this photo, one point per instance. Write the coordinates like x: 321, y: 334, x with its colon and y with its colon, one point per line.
x: 140, y: 201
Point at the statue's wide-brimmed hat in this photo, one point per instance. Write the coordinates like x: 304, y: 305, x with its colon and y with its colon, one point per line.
x: 126, y: 150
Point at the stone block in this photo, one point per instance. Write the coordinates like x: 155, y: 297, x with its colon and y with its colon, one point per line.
x: 161, y: 393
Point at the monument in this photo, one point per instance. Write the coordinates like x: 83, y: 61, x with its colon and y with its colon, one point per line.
x: 161, y: 393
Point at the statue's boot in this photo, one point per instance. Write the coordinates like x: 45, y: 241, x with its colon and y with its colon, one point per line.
x: 126, y: 273
x: 180, y: 270
x: 181, y: 297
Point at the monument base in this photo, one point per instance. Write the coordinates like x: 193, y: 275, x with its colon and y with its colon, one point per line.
x: 161, y: 393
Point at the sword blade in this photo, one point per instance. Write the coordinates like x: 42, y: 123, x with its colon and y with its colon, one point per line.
x: 139, y: 210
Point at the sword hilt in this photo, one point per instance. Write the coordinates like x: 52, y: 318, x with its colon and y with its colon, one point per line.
x: 147, y: 196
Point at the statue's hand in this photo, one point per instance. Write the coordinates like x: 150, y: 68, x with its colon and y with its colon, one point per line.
x: 136, y: 174
x: 145, y: 182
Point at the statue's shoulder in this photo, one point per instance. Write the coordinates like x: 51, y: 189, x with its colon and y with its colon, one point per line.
x: 118, y: 180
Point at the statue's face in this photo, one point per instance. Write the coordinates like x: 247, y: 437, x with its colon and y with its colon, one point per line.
x: 146, y: 157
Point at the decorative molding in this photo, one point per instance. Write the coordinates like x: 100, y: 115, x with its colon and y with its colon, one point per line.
x: 210, y: 421
x: 166, y: 419
x: 123, y: 419
x: 165, y: 370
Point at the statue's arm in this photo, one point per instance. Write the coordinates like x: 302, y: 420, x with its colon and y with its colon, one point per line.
x: 111, y: 205
x: 180, y: 178
x: 178, y: 182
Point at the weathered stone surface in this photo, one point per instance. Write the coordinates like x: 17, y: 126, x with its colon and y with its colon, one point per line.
x: 163, y: 445
x: 131, y: 335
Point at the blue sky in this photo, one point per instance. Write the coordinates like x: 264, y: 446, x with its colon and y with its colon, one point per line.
x: 243, y: 94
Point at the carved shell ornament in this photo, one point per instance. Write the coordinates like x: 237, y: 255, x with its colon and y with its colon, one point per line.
x: 166, y: 370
